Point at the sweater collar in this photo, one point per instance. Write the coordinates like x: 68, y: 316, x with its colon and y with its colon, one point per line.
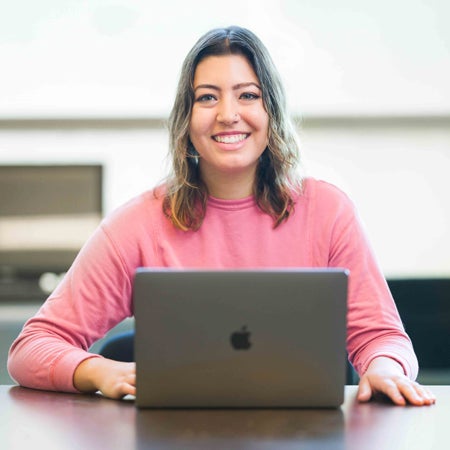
x: 231, y: 205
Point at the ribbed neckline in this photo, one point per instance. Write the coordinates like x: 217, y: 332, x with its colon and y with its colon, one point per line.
x: 231, y: 205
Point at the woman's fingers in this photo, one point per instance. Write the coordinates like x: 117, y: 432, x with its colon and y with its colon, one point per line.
x: 399, y: 389
x: 364, y: 390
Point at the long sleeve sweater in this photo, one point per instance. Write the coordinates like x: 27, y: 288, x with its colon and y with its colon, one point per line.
x: 324, y: 230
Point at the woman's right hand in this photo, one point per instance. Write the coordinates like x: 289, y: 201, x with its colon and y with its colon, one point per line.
x: 114, y: 379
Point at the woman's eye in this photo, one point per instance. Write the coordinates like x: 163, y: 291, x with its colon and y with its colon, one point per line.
x: 206, y: 98
x: 249, y: 96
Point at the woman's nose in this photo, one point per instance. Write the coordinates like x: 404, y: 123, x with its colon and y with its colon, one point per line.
x: 228, y: 112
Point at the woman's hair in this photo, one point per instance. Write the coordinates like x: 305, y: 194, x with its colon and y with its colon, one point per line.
x: 276, y: 176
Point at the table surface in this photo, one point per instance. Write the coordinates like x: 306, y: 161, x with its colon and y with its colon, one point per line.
x: 39, y: 419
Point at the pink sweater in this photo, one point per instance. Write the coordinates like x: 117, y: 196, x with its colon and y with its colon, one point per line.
x: 96, y: 294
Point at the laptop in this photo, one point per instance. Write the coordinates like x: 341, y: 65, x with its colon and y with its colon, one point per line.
x: 240, y: 338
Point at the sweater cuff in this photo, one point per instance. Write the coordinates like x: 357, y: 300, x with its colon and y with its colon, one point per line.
x: 410, y: 372
x: 63, y: 369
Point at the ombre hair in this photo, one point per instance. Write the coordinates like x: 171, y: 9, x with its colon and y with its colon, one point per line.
x: 276, y: 176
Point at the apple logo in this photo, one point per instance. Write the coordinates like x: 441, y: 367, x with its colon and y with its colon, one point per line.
x: 240, y: 340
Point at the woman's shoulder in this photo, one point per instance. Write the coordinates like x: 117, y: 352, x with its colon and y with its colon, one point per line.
x: 317, y: 189
x: 326, y: 206
x: 138, y: 209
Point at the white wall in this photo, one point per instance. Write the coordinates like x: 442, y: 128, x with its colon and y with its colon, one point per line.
x: 122, y: 57
x: 397, y: 174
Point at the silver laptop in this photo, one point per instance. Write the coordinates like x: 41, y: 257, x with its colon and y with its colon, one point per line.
x: 246, y: 338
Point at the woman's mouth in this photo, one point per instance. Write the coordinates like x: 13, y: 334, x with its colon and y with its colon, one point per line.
x: 230, y: 138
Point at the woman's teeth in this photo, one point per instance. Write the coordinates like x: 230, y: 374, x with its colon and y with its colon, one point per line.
x: 230, y: 139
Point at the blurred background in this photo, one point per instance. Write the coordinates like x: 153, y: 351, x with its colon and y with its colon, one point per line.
x: 86, y: 88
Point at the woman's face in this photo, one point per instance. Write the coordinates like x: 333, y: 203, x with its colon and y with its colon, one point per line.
x: 229, y: 124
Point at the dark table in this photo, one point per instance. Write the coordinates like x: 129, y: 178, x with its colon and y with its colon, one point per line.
x: 32, y: 419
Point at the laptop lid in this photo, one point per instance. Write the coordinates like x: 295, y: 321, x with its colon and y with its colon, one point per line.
x: 244, y: 338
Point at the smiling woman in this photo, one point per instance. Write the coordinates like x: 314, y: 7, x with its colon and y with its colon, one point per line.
x: 230, y: 113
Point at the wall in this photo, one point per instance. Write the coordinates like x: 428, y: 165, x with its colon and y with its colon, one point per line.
x: 109, y: 58
x: 396, y: 171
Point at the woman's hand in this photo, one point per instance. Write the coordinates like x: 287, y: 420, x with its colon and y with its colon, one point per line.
x: 384, y: 375
x: 113, y: 379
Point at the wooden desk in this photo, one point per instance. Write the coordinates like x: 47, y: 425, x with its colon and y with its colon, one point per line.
x: 35, y: 419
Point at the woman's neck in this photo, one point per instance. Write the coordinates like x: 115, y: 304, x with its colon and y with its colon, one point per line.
x: 229, y: 186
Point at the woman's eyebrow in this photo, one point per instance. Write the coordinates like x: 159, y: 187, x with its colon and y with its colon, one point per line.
x: 244, y: 85
x: 235, y: 87
x: 207, y: 86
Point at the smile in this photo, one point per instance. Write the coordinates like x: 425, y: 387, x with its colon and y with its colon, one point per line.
x: 230, y: 139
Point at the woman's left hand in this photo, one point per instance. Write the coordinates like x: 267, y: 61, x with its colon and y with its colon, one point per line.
x: 384, y: 375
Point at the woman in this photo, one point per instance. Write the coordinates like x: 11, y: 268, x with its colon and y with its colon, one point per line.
x: 234, y: 200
